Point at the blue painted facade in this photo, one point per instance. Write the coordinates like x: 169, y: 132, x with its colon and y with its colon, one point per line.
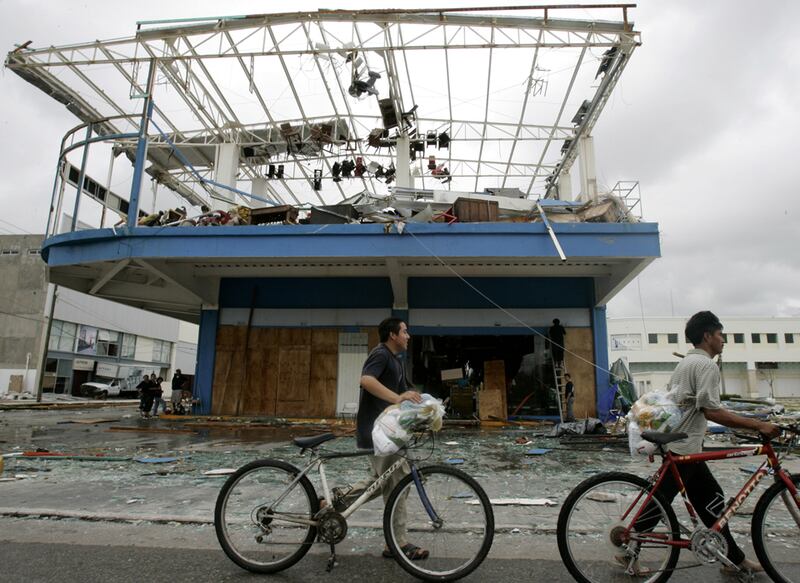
x: 492, y: 243
x: 511, y: 240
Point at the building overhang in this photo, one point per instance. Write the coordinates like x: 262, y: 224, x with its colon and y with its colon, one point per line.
x: 177, y: 271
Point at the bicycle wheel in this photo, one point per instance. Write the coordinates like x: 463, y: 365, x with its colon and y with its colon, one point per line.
x: 253, y: 528
x: 591, y: 528
x: 460, y: 537
x: 776, y: 532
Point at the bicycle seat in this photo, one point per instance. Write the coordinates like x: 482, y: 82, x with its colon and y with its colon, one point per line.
x: 313, y: 441
x: 662, y: 438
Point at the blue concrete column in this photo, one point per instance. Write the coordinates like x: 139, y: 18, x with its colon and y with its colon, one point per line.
x: 600, y: 337
x: 206, y: 355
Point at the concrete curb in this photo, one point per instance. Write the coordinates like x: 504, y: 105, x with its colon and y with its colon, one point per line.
x: 50, y: 513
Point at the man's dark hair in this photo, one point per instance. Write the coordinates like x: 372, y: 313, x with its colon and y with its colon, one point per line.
x: 178, y: 371
x: 567, y: 375
x: 556, y: 321
x: 699, y: 324
x: 389, y: 326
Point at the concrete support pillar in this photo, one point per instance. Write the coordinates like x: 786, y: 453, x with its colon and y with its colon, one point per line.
x: 402, y: 164
x: 226, y: 166
x: 565, y: 187
x: 206, y: 357
x: 587, y: 169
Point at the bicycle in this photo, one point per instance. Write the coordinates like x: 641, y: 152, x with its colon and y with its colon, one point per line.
x: 268, y: 514
x: 599, y: 542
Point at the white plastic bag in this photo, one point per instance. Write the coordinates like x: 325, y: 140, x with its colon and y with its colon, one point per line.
x: 394, y: 426
x: 656, y: 411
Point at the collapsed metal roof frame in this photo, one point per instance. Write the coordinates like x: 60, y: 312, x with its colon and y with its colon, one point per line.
x: 181, y: 55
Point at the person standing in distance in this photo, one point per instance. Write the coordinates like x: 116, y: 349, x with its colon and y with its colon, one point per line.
x: 555, y: 334
x: 384, y: 383
x: 569, y: 394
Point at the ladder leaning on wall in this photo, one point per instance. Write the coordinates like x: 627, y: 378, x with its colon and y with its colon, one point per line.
x: 558, y: 380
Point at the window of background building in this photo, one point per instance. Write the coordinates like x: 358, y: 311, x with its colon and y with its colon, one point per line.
x: 87, y: 340
x: 788, y: 338
x: 161, y: 350
x: 107, y: 343
x: 772, y: 338
x: 724, y: 338
x: 652, y: 338
x: 62, y: 336
x: 672, y: 338
x: 738, y: 338
x: 128, y: 346
x: 755, y: 338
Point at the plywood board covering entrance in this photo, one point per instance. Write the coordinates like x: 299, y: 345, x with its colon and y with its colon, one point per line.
x: 286, y: 372
x: 578, y: 359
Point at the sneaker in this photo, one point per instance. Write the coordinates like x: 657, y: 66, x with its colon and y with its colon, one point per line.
x: 746, y: 565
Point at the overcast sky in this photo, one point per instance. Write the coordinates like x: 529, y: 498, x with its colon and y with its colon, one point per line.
x: 704, y: 117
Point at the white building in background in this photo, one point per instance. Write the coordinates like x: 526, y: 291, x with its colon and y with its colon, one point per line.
x: 91, y: 339
x: 761, y: 356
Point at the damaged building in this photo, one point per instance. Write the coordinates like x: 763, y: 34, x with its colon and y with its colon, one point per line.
x: 324, y: 186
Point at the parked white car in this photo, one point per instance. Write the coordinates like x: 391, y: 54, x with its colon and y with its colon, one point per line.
x: 116, y: 388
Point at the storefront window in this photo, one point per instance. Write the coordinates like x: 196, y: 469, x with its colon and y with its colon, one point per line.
x: 57, y: 375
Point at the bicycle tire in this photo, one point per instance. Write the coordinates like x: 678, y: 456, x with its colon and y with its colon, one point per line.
x: 770, y: 530
x: 452, y: 493
x: 593, y: 539
x: 238, y: 519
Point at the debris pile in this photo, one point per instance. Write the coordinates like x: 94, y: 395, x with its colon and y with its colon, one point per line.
x: 408, y: 205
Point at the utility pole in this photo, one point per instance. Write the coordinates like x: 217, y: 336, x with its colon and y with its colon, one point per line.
x: 45, y: 345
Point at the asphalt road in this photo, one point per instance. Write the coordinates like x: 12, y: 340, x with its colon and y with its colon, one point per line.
x: 65, y: 563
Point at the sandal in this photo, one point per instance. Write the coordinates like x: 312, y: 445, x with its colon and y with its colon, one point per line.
x: 412, y: 552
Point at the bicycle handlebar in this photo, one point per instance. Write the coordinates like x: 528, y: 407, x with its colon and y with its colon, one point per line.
x: 794, y: 428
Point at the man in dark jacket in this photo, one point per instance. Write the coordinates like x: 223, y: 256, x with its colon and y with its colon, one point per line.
x: 144, y: 396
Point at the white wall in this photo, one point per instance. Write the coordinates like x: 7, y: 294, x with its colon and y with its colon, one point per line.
x: 29, y: 380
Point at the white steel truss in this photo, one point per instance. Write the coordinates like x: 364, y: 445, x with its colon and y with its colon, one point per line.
x: 482, y: 94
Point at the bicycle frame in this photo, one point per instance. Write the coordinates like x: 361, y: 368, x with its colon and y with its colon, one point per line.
x: 318, y: 462
x: 670, y: 464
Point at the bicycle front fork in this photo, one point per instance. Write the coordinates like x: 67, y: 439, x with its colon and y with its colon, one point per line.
x: 423, y: 496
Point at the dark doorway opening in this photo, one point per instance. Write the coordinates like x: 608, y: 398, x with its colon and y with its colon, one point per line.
x: 453, y: 367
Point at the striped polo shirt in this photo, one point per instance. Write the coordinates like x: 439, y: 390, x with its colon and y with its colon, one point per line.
x: 696, y: 382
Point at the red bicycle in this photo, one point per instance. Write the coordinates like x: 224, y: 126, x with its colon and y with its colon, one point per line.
x: 615, y: 526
